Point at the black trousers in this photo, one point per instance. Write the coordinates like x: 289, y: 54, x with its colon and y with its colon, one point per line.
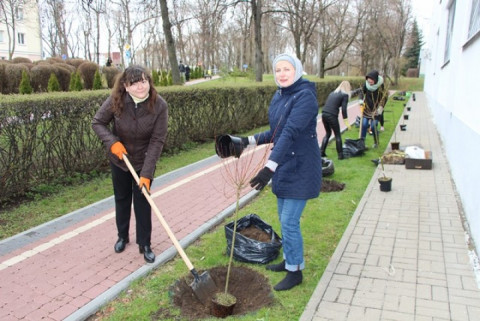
x: 125, y: 190
x: 330, y: 122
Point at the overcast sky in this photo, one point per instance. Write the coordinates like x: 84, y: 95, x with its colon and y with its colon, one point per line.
x: 422, y: 10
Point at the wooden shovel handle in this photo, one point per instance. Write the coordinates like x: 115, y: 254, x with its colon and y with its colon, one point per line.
x: 160, y: 216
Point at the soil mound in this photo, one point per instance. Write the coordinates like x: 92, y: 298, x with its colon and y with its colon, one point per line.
x: 252, y: 290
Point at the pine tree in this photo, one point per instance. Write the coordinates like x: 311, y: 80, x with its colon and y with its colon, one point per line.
x: 71, y: 85
x: 53, y: 84
x: 412, y: 54
x: 97, y: 81
x: 25, y: 86
x: 77, y: 82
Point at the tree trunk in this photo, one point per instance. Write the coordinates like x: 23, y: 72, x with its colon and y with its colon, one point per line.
x: 257, y: 17
x: 172, y: 56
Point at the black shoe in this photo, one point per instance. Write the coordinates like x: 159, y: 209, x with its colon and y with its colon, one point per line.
x: 279, y: 267
x: 148, y: 255
x: 120, y: 245
x: 291, y: 279
x: 340, y: 156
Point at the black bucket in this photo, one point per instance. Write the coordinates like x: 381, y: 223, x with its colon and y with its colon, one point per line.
x: 227, y: 145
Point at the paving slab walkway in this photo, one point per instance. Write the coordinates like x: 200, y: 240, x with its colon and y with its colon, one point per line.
x: 405, y: 253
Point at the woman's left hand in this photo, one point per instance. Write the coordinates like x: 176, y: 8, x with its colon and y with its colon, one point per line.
x: 262, y: 178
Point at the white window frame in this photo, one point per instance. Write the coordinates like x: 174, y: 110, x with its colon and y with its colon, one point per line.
x: 448, y: 35
x: 19, y: 13
x: 474, y: 25
x: 21, y: 38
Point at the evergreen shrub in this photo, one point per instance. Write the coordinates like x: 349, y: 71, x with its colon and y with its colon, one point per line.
x: 25, y: 86
x: 53, y: 84
x: 97, y: 81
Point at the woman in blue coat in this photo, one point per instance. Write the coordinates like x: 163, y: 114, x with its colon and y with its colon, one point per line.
x: 294, y: 165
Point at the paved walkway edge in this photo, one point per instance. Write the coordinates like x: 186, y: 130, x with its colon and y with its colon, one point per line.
x: 93, y: 306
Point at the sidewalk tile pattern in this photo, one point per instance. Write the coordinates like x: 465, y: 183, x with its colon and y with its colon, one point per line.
x: 404, y: 254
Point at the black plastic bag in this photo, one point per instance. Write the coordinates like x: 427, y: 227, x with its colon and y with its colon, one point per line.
x: 250, y: 250
x: 327, y: 167
x: 353, y: 147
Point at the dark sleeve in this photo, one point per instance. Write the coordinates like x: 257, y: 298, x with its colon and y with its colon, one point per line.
x: 358, y: 92
x: 157, y: 141
x: 344, y: 106
x: 100, y: 124
x: 384, y: 94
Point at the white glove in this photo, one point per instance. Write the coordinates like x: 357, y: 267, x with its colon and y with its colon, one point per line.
x: 360, y: 101
x: 379, y: 110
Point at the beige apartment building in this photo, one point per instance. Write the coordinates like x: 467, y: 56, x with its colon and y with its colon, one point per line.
x: 27, y: 34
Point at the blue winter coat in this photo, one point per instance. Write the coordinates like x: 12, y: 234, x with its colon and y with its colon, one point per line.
x: 293, y: 130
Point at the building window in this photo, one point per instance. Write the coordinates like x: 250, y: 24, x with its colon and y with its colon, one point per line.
x: 1, y: 36
x: 21, y: 38
x: 19, y: 12
x: 474, y: 26
x: 448, y: 40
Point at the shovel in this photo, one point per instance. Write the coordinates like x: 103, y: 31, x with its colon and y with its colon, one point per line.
x: 203, y: 285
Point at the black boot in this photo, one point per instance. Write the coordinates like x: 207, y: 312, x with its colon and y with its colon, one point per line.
x: 148, y: 255
x: 340, y: 156
x: 279, y: 267
x: 120, y: 245
x: 291, y: 279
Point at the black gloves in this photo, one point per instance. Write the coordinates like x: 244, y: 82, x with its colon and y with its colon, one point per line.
x: 245, y: 141
x: 262, y: 178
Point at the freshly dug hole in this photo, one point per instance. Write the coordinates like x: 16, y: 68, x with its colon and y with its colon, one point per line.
x: 252, y: 290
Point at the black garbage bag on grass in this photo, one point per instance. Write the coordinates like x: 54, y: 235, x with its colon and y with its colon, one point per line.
x: 327, y: 167
x: 353, y: 147
x: 250, y: 250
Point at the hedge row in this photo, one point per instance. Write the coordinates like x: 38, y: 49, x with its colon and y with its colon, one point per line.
x: 47, y: 138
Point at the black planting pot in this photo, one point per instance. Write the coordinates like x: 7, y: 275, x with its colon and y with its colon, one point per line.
x: 403, y: 127
x: 227, y: 145
x: 385, y: 184
x: 405, y: 117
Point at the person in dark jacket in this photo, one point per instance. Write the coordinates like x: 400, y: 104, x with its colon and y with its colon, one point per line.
x: 138, y: 117
x: 294, y: 165
x: 335, y: 100
x: 374, y: 96
x: 187, y: 73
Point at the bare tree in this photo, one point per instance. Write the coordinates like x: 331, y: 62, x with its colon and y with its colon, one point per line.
x: 172, y: 55
x: 393, y: 29
x: 302, y: 17
x: 338, y: 29
x: 99, y: 9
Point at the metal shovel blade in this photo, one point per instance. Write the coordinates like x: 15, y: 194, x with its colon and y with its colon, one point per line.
x: 203, y: 286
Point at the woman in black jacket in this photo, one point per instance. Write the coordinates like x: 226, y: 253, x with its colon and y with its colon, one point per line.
x: 374, y: 96
x: 336, y: 100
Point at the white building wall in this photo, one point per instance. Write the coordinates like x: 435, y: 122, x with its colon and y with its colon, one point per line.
x: 30, y: 26
x: 453, y: 94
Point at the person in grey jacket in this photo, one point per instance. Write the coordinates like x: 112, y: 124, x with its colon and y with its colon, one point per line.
x: 138, y: 118
x: 335, y: 100
x: 294, y: 165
